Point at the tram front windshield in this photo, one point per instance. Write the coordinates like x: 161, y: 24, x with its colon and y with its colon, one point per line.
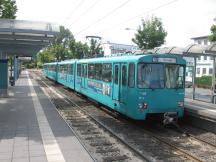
x: 157, y: 76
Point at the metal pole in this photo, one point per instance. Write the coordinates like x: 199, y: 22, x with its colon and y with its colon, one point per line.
x: 194, y: 77
x: 213, y: 80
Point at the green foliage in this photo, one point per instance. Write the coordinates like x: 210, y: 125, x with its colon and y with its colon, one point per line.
x: 45, y: 56
x: 204, y: 81
x: 95, y: 48
x: 212, y: 37
x: 150, y: 34
x: 78, y: 50
x: 63, y: 47
x: 63, y: 37
x: 8, y: 9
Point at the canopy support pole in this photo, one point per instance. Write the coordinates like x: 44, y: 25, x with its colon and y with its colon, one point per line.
x: 213, y: 81
x: 194, y: 77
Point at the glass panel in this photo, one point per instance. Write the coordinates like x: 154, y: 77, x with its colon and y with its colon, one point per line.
x: 84, y: 70
x: 198, y: 70
x: 174, y: 76
x: 70, y: 69
x: 107, y: 72
x: 63, y: 70
x: 210, y: 71
x: 98, y: 71
x: 150, y: 76
x: 116, y: 74
x: 204, y: 71
x: 131, y: 75
x: 124, y: 75
x: 205, y: 57
x: 91, y: 71
x: 79, y: 70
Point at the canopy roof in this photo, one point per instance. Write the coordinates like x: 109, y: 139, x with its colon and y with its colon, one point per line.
x: 193, y: 50
x: 25, y: 38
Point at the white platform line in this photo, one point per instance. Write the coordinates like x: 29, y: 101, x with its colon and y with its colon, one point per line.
x: 51, y: 147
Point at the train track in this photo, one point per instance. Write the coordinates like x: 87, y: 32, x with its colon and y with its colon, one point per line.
x: 153, y: 145
x: 96, y: 138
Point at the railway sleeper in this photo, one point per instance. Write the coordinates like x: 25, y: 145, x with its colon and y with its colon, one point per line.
x: 101, y: 143
x: 106, y: 150
x: 115, y: 158
x: 95, y: 137
x: 87, y: 132
x: 89, y: 129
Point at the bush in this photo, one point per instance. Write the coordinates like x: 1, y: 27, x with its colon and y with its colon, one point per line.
x: 204, y: 82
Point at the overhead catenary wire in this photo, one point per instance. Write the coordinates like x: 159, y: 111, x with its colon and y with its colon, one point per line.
x: 139, y: 15
x: 86, y: 11
x: 73, y: 11
x: 103, y: 17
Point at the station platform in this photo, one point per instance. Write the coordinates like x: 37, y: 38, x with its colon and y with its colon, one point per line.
x: 200, y: 114
x: 31, y: 130
x: 200, y: 108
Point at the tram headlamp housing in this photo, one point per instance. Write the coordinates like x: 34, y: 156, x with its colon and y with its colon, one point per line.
x: 142, y: 106
x: 180, y: 104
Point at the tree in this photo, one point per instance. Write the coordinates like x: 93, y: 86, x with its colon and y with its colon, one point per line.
x: 212, y: 37
x: 45, y: 56
x: 78, y: 50
x: 60, y: 44
x: 95, y: 48
x: 150, y: 34
x: 63, y: 37
x: 8, y: 9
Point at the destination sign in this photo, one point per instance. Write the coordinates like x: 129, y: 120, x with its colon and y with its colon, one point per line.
x: 165, y: 60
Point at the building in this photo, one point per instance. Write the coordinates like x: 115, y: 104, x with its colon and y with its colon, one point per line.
x: 204, y: 63
x: 115, y: 48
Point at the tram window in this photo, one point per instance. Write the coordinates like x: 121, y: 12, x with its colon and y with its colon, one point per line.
x: 91, y: 71
x: 174, y: 76
x: 79, y: 70
x: 124, y: 75
x: 116, y: 74
x: 61, y: 68
x: 107, y: 72
x: 84, y: 71
x: 98, y: 71
x: 70, y: 69
x: 131, y: 75
x: 150, y: 76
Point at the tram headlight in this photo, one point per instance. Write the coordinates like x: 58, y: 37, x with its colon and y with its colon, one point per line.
x: 180, y: 104
x: 142, y: 106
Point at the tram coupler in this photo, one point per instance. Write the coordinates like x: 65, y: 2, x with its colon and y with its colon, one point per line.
x: 170, y: 118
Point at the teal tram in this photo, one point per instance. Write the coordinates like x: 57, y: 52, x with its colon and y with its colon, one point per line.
x: 134, y: 85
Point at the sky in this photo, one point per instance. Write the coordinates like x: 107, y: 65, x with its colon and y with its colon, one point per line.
x: 182, y: 19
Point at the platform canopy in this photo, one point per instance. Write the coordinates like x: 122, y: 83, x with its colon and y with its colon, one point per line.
x: 25, y: 38
x: 193, y: 50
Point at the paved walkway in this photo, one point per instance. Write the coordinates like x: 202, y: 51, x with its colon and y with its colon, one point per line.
x: 200, y: 108
x: 32, y: 131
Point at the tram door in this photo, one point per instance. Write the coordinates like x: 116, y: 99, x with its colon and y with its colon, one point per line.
x: 116, y: 82
x: 123, y: 84
x: 84, y: 76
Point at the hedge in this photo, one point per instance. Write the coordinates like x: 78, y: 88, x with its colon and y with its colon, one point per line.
x: 204, y: 82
